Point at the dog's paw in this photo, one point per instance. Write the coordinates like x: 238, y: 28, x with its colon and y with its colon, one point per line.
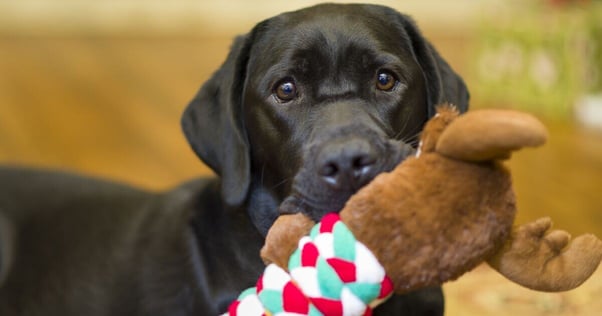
x: 547, y: 260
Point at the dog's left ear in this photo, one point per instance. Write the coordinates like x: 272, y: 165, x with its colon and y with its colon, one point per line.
x: 213, y: 125
x: 443, y: 84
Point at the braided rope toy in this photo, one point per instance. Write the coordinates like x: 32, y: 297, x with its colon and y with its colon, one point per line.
x: 331, y: 273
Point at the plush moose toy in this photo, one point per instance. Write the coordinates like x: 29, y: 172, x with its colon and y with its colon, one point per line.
x: 436, y: 216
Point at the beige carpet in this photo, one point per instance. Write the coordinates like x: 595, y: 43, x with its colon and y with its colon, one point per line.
x: 484, y: 292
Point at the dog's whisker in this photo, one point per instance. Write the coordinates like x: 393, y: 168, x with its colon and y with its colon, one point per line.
x: 404, y: 125
x: 262, y: 173
x: 412, y: 139
x: 281, y: 183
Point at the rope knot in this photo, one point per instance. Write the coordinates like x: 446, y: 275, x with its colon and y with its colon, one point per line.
x: 330, y: 274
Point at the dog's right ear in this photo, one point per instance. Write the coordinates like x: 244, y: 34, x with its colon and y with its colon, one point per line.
x: 444, y: 85
x: 213, y: 125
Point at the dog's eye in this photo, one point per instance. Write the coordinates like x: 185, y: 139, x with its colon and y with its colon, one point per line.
x: 286, y: 91
x: 385, y: 81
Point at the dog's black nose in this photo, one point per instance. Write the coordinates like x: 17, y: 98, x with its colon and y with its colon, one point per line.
x: 346, y: 164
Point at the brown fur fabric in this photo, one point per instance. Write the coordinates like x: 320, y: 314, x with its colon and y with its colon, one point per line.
x: 437, y: 226
x: 284, y: 237
x: 490, y: 135
x: 545, y: 260
x: 442, y: 216
x: 441, y: 213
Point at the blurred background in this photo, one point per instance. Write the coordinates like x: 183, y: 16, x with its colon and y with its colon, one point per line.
x: 97, y: 87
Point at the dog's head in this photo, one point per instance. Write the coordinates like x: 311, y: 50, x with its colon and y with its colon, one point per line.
x: 312, y: 104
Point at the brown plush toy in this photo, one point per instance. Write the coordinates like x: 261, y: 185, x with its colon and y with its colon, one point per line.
x: 451, y: 207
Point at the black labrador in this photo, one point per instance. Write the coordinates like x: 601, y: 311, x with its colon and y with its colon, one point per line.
x: 308, y: 107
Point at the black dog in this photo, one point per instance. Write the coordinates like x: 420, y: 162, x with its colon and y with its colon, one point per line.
x: 308, y: 107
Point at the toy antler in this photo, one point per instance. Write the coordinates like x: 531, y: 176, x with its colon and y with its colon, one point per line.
x: 492, y: 134
x: 545, y: 260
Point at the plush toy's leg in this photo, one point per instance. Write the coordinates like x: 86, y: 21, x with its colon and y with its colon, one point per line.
x: 547, y: 261
x: 283, y: 238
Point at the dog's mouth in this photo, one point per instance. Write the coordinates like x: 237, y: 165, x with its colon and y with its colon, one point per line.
x: 313, y: 196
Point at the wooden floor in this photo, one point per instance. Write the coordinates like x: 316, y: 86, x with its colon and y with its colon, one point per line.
x: 110, y: 107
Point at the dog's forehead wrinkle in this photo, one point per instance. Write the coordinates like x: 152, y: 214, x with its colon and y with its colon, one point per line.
x: 335, y: 87
x: 331, y: 32
x: 379, y: 26
x: 332, y: 24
